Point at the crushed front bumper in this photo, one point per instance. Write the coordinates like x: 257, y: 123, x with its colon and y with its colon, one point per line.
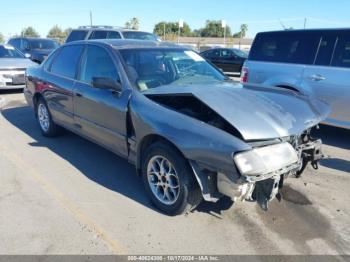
x: 264, y: 188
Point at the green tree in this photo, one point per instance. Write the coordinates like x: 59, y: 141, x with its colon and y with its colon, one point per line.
x: 2, y: 39
x: 242, y: 33
x: 29, y: 32
x: 244, y: 30
x: 67, y: 31
x: 134, y: 24
x: 171, y: 28
x: 56, y: 33
x: 213, y: 28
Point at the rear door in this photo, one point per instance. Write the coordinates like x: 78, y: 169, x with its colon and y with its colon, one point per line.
x: 59, y: 83
x: 329, y: 77
x: 279, y: 58
x: 229, y: 62
x: 99, y: 113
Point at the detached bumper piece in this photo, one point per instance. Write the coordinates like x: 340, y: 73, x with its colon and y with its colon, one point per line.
x: 267, y: 190
x: 311, y: 153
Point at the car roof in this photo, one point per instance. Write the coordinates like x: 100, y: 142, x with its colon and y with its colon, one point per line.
x: 106, y: 28
x: 308, y: 30
x: 130, y: 44
x: 220, y: 48
x: 32, y: 38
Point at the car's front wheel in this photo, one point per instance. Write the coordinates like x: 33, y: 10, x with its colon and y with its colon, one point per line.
x: 168, y: 180
x: 47, y: 126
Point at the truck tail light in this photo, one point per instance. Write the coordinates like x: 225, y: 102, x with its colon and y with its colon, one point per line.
x: 244, y: 75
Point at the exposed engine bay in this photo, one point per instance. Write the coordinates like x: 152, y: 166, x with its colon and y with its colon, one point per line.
x: 189, y: 105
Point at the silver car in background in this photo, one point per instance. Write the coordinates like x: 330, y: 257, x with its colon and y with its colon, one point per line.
x: 13, y: 65
x: 313, y: 62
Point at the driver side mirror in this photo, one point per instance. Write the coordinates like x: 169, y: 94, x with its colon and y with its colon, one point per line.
x: 106, y: 83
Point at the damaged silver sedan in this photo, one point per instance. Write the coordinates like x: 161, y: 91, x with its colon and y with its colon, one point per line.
x: 192, y: 133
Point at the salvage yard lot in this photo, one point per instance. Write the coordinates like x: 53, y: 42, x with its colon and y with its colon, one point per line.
x: 69, y: 196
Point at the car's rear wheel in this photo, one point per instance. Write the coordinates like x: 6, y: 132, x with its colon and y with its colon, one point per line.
x: 47, y: 126
x: 168, y: 180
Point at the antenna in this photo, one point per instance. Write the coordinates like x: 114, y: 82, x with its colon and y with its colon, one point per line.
x: 305, y: 21
x: 283, y: 26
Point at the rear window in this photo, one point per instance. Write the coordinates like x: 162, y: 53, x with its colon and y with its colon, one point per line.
x: 103, y: 34
x: 42, y: 44
x: 139, y: 35
x: 293, y: 47
x: 76, y: 35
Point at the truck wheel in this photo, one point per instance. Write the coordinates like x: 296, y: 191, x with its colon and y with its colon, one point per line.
x: 47, y: 126
x: 168, y: 180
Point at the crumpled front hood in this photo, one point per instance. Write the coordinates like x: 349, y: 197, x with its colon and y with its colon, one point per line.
x: 258, y: 113
x: 8, y: 63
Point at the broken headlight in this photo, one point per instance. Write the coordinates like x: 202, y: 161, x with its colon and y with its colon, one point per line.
x: 265, y: 160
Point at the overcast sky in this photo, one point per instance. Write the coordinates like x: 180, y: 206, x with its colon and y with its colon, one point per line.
x: 260, y: 15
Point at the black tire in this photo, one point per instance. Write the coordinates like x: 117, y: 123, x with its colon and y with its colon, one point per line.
x: 53, y: 129
x: 189, y: 194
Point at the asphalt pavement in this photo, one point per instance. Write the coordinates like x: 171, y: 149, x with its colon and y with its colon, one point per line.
x: 69, y: 196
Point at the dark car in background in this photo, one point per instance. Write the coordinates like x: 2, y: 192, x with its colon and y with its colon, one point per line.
x: 37, y: 48
x: 108, y: 32
x: 191, y: 132
x: 229, y: 60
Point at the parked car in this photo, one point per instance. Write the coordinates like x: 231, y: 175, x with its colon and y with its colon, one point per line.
x: 312, y: 62
x: 37, y: 48
x: 191, y: 132
x: 12, y: 68
x: 229, y: 60
x: 108, y: 32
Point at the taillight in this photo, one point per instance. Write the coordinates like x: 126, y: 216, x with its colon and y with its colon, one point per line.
x: 244, y: 75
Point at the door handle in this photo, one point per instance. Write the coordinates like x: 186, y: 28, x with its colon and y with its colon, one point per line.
x: 317, y: 78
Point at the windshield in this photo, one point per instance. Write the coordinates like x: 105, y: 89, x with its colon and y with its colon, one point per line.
x: 139, y: 35
x: 153, y: 68
x: 9, y: 52
x: 240, y: 53
x: 43, y: 44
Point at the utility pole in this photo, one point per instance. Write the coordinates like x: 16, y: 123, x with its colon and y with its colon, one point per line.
x: 164, y: 30
x: 90, y: 18
x: 305, y: 20
x: 181, y: 25
x: 223, y: 25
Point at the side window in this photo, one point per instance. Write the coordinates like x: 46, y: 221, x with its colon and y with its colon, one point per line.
x: 65, y: 63
x: 325, y: 51
x: 342, y: 52
x: 207, y: 54
x: 295, y: 47
x: 113, y: 35
x: 24, y: 45
x: 76, y: 35
x: 99, y: 35
x: 47, y: 62
x: 226, y: 54
x: 15, y: 43
x: 97, y: 63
